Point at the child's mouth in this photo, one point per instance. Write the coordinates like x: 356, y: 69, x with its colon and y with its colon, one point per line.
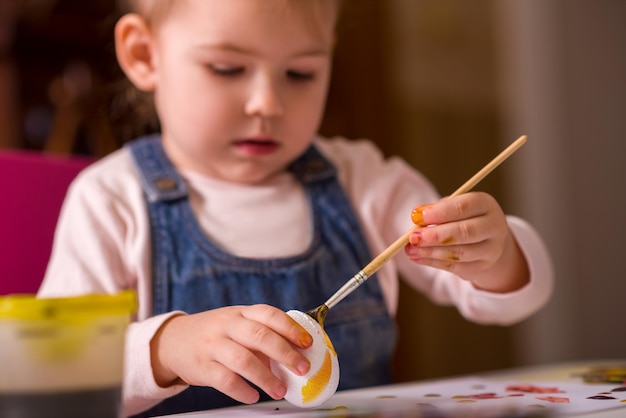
x: 256, y: 146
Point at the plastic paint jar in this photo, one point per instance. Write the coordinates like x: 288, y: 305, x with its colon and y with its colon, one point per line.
x: 63, y: 357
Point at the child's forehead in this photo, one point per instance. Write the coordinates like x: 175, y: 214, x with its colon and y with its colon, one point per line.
x: 274, y: 21
x: 310, y: 12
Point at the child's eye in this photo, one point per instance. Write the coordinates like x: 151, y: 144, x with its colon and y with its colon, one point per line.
x: 226, y: 70
x: 300, y: 75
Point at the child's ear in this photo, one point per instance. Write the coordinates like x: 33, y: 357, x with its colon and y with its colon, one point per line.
x: 134, y: 50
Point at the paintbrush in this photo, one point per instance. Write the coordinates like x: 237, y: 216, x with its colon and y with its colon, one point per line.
x: 319, y: 313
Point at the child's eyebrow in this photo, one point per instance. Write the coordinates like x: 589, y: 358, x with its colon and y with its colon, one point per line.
x: 230, y: 47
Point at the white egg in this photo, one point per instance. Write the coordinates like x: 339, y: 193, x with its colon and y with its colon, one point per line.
x: 320, y: 383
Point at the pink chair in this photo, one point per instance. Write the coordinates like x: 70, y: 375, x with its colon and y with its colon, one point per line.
x: 32, y: 185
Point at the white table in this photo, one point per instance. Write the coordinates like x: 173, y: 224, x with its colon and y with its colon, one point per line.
x: 462, y: 396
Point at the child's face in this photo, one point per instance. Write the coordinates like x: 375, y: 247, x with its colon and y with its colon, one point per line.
x: 240, y: 85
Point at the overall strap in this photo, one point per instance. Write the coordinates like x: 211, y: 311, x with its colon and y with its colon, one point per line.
x: 161, y: 181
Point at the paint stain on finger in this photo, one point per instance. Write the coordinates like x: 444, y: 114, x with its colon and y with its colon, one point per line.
x: 448, y: 241
x: 452, y: 256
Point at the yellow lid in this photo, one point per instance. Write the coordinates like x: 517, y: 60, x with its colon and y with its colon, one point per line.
x: 30, y: 307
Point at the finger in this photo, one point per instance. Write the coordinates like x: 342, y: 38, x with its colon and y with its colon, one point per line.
x: 231, y: 384
x: 458, y: 267
x: 448, y: 254
x: 260, y: 334
x: 462, y: 269
x: 280, y: 323
x: 417, y: 215
x: 245, y: 363
x: 468, y: 205
x: 470, y: 231
x: 257, y: 337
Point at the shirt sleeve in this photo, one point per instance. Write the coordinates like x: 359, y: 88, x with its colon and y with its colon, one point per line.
x: 140, y: 390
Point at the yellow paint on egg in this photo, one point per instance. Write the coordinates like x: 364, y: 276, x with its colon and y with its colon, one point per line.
x: 329, y: 344
x: 321, y: 382
x: 316, y: 384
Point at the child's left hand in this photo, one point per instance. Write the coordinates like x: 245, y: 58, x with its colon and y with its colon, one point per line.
x: 469, y: 236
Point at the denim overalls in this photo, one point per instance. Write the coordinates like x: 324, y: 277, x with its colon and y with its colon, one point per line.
x: 192, y: 274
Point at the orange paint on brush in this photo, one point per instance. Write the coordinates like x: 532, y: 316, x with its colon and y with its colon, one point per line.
x: 318, y: 381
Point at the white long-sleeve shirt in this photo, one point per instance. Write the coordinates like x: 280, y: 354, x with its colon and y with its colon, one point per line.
x: 102, y: 242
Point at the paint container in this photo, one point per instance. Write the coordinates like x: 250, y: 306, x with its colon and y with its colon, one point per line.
x: 63, y: 357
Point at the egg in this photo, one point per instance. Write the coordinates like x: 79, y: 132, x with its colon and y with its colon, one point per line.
x: 320, y: 383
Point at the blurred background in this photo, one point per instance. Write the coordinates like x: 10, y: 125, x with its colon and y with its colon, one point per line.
x: 446, y: 84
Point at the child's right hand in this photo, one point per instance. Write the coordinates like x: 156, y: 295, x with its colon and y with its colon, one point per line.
x: 221, y: 347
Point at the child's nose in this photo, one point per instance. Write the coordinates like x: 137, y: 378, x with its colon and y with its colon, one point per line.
x: 265, y: 99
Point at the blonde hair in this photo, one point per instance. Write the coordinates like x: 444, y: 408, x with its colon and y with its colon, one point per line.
x: 153, y: 11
